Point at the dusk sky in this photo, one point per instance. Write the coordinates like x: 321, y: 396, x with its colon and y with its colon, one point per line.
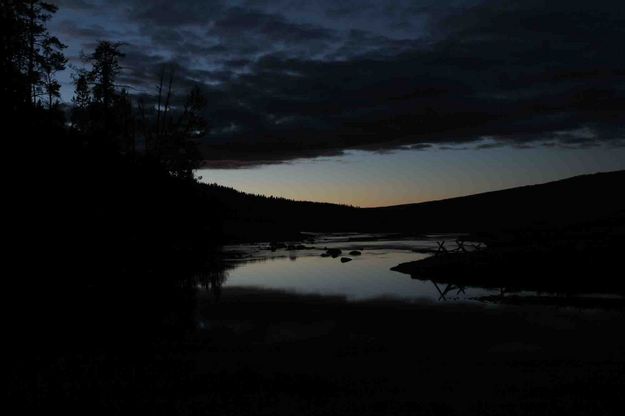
x: 377, y: 102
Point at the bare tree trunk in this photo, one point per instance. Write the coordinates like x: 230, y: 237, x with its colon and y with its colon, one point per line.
x: 49, y: 83
x: 171, y: 81
x: 31, y: 54
x: 160, y: 96
x: 146, y: 133
x: 133, y: 137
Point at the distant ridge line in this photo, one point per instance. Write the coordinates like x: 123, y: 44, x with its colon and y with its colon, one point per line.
x: 514, y: 188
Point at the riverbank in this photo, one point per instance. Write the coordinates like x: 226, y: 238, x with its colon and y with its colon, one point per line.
x: 564, y: 264
x: 275, y: 353
x: 268, y: 352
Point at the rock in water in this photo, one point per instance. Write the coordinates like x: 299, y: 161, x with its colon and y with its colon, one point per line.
x: 334, y: 252
x: 355, y: 253
x: 345, y: 259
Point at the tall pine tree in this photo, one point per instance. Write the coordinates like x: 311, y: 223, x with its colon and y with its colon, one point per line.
x: 30, y: 56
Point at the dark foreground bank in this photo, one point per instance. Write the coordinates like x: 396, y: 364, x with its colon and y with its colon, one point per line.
x: 269, y: 353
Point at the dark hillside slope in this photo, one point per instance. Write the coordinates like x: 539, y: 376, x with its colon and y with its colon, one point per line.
x: 248, y: 217
x: 560, y: 237
x: 576, y: 200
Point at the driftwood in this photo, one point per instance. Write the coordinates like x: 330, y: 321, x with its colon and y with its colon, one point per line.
x: 460, y: 247
x: 448, y: 288
x: 441, y: 247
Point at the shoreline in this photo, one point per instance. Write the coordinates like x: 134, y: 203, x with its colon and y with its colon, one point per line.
x: 317, y: 355
x: 563, y: 269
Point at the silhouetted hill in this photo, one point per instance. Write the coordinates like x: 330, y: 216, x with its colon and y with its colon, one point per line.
x: 576, y: 200
x: 559, y: 237
x: 562, y: 203
x: 255, y: 217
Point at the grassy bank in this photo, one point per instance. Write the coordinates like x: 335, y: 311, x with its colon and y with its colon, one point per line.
x: 276, y: 353
x: 267, y: 353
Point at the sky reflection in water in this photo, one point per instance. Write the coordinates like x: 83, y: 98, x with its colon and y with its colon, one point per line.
x: 366, y: 277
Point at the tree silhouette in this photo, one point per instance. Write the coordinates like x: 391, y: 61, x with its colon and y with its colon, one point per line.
x: 44, y: 52
x: 125, y: 122
x: 82, y: 102
x: 82, y: 94
x: 30, y: 55
x: 52, y: 60
x: 101, y: 110
x: 104, y: 71
x: 172, y: 135
x: 12, y: 51
x: 181, y: 154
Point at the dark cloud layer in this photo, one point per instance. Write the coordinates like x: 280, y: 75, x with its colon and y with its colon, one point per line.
x: 298, y: 79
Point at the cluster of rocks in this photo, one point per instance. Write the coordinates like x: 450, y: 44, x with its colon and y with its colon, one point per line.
x: 336, y: 252
x: 329, y: 252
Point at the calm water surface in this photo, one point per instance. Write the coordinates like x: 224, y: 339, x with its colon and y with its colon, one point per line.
x: 367, y: 276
